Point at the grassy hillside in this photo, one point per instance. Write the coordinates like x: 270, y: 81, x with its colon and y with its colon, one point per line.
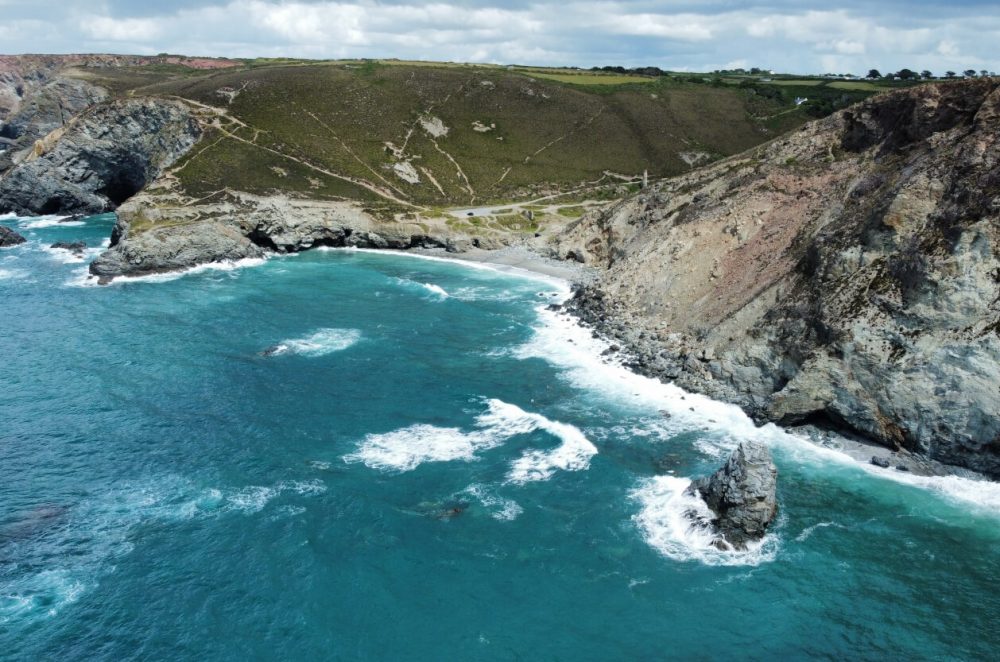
x: 437, y: 135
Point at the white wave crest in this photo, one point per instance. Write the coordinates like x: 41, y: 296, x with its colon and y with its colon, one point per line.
x: 561, y: 341
x: 320, y: 343
x: 500, y: 508
x: 573, y: 454
x: 676, y: 525
x: 39, y: 222
x: 73, y: 257
x: 407, y: 448
x: 82, y: 278
x: 435, y: 289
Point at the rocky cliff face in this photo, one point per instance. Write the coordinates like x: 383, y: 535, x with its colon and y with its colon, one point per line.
x: 48, y: 108
x: 846, y: 275
x: 100, y: 158
x: 161, y: 230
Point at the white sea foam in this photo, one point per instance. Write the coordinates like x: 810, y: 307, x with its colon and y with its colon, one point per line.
x: 12, y: 274
x: 407, y: 448
x: 435, y: 289
x: 39, y: 222
x: 809, y: 530
x: 676, y: 524
x: 67, y: 551
x: 82, y: 277
x: 71, y: 257
x: 560, y: 284
x: 573, y: 454
x: 560, y: 340
x: 500, y: 508
x: 320, y: 343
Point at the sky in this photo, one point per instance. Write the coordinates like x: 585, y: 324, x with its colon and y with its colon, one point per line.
x: 804, y: 36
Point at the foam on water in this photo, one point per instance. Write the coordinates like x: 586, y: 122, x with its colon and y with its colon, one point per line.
x: 677, y: 525
x: 39, y: 222
x: 435, y: 289
x: 320, y: 343
x: 12, y: 274
x: 500, y: 508
x: 69, y: 257
x: 82, y: 277
x: 560, y: 284
x: 407, y: 448
x: 572, y: 454
x: 563, y: 342
x: 68, y: 553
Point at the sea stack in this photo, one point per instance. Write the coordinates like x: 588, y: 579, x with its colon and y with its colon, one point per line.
x: 9, y: 238
x: 742, y: 494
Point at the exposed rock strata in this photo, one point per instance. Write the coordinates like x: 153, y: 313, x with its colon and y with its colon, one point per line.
x: 157, y: 232
x: 100, y: 159
x: 847, y: 275
x: 742, y: 494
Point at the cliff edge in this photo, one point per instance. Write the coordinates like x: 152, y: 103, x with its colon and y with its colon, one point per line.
x: 846, y: 275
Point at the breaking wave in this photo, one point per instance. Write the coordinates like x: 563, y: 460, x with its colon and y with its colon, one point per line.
x: 407, y: 448
x: 320, y: 343
x: 676, y: 524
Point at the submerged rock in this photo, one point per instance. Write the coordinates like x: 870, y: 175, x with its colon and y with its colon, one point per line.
x: 9, y: 238
x: 75, y: 247
x: 742, y: 494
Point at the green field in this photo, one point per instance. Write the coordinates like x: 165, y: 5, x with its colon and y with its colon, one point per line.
x: 365, y: 130
x: 586, y: 78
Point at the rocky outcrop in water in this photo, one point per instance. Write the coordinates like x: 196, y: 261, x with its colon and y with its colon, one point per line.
x: 77, y: 248
x: 742, y: 494
x: 847, y: 275
x: 9, y: 238
x: 158, y: 232
x: 99, y: 159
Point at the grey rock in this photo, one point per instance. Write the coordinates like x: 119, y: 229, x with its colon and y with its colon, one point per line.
x: 850, y: 280
x: 9, y: 238
x: 880, y: 462
x: 742, y: 494
x: 101, y: 159
x: 75, y: 247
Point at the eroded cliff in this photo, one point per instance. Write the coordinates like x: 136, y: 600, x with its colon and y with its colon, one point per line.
x: 847, y: 274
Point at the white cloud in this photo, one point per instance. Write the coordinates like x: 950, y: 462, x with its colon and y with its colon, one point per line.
x: 125, y: 29
x: 584, y: 33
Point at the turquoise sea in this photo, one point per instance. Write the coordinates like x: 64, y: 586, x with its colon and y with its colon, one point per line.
x: 354, y: 455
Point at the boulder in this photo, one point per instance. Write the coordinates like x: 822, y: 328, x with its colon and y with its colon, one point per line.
x: 742, y: 494
x: 9, y: 238
x: 75, y: 247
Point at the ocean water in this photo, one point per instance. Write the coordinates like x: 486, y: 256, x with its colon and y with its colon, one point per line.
x: 354, y: 455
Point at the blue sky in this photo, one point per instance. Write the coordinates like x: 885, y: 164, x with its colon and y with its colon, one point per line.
x: 804, y: 37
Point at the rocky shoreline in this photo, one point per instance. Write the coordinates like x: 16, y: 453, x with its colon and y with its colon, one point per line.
x: 843, y: 277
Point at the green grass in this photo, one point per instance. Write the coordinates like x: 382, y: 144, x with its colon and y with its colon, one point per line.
x: 547, y: 135
x: 571, y: 212
x: 801, y: 83
x: 589, y: 78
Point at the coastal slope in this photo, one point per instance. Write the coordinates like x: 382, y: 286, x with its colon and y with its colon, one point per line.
x: 847, y: 275
x: 203, y: 159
